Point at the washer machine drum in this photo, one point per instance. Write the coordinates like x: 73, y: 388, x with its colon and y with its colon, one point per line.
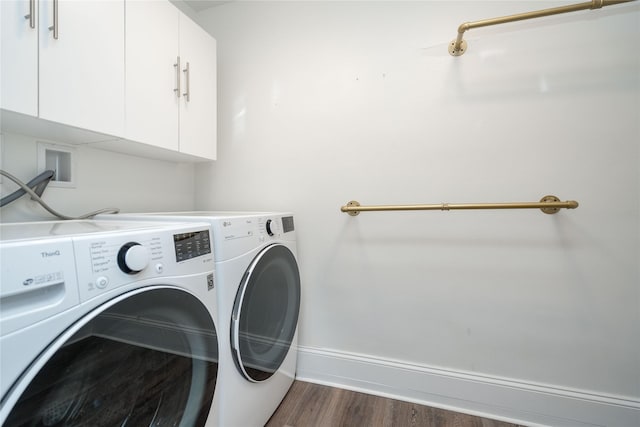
x: 265, y: 313
x: 150, y: 359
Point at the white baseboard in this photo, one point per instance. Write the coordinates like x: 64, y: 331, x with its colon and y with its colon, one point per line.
x: 497, y: 398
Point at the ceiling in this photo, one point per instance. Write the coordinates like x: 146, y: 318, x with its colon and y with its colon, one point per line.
x: 200, y: 5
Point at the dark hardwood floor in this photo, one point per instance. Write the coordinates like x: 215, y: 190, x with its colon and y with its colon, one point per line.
x: 309, y: 405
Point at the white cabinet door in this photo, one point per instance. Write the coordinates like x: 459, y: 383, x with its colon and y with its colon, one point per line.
x: 152, y: 73
x: 81, y: 73
x: 19, y: 57
x: 198, y: 116
x: 170, y: 80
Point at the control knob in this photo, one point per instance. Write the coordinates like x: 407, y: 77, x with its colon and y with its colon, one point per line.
x: 271, y: 227
x: 133, y: 258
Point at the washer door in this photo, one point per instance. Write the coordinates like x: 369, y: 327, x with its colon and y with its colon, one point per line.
x: 149, y: 359
x: 265, y: 313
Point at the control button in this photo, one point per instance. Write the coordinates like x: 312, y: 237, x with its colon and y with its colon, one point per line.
x: 102, y: 282
x: 159, y: 268
x: 133, y: 258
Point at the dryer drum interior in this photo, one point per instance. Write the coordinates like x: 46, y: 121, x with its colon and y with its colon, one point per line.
x: 150, y: 359
x: 265, y: 313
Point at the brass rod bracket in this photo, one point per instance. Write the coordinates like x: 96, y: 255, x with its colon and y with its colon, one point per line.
x: 352, y: 204
x: 549, y: 199
x: 459, y: 50
x: 458, y: 46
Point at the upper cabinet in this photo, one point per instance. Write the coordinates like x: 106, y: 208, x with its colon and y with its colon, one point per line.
x: 198, y: 124
x: 63, y: 61
x: 152, y: 72
x: 135, y: 76
x: 19, y: 54
x: 170, y: 80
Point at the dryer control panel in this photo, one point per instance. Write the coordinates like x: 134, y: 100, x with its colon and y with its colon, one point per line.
x: 236, y: 235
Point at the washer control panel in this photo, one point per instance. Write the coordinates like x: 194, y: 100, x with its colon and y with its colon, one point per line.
x: 110, y: 261
x: 192, y: 244
x: 50, y: 266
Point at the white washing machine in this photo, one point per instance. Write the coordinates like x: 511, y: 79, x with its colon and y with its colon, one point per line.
x: 258, y: 285
x: 106, y: 323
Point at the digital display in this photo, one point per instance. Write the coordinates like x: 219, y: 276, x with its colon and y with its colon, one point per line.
x: 191, y: 245
x: 287, y: 224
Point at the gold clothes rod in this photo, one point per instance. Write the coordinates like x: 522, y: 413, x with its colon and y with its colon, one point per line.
x: 548, y: 205
x: 458, y: 46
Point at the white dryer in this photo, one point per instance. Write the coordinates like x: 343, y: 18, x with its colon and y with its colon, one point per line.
x: 108, y: 323
x: 258, y: 285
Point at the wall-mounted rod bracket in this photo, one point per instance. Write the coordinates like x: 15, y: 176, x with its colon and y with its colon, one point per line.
x: 548, y: 205
x: 458, y: 46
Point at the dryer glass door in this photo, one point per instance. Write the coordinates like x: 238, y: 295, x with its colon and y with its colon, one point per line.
x: 149, y: 359
x: 265, y: 313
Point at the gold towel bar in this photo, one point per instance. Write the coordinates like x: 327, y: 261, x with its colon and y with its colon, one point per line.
x: 548, y: 205
x: 458, y: 46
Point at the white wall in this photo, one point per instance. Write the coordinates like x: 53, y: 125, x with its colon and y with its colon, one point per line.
x: 103, y: 179
x: 324, y: 102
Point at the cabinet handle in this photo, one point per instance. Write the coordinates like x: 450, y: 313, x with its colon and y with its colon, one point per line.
x: 31, y: 16
x: 54, y: 27
x: 186, y: 74
x: 177, y: 67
